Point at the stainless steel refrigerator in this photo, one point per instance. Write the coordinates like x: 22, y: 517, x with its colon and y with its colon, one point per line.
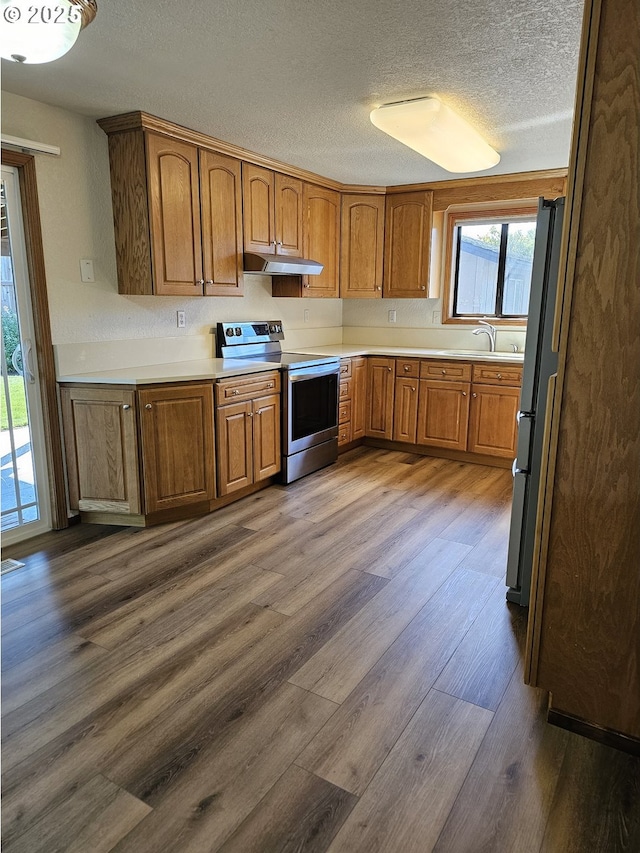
x: 540, y: 363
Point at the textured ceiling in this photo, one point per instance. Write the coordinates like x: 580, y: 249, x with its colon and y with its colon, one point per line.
x: 296, y: 80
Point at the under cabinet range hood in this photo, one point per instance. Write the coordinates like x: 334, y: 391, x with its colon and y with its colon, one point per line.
x: 267, y: 264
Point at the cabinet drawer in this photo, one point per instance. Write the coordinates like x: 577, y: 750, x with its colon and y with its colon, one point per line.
x: 492, y: 374
x: 447, y: 370
x: 408, y: 367
x: 345, y: 368
x: 345, y: 390
x: 344, y: 411
x: 241, y: 388
x: 344, y: 433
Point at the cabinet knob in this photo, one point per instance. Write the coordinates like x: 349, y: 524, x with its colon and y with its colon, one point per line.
x: 474, y: 394
x: 269, y: 384
x: 235, y: 392
x: 249, y: 414
x: 464, y: 393
x: 279, y: 243
x: 444, y: 372
x: 209, y: 282
x: 389, y: 369
x: 379, y: 287
x: 413, y: 387
x: 499, y: 375
x: 305, y: 285
x: 126, y: 406
x: 423, y: 287
x: 148, y: 406
x: 200, y: 281
x: 406, y: 368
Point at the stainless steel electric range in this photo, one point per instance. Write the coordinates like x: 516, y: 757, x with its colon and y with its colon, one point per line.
x: 310, y: 393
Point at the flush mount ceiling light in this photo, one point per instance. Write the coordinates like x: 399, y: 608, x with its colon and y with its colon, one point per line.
x: 438, y: 133
x: 33, y: 33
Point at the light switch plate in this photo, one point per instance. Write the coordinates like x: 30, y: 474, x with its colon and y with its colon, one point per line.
x: 86, y: 271
x: 181, y: 319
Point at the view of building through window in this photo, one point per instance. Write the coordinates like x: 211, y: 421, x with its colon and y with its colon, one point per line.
x: 493, y: 268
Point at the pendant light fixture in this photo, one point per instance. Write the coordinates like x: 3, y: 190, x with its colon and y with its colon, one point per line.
x: 438, y: 133
x: 36, y: 33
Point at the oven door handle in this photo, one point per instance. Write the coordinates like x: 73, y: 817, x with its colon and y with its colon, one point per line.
x: 313, y: 372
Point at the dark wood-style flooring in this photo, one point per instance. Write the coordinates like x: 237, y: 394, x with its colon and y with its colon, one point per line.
x: 329, y: 666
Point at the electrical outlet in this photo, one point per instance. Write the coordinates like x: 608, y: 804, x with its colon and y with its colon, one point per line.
x: 86, y: 271
x: 181, y: 318
x: 306, y: 315
x: 392, y: 315
x: 436, y: 317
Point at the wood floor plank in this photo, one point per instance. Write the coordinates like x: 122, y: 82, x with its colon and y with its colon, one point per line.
x: 469, y: 527
x: 95, y: 818
x: 55, y: 663
x: 597, y: 801
x: 482, y: 665
x: 351, y: 747
x: 408, y: 801
x: 522, y: 755
x: 49, y: 714
x: 309, y: 813
x: 46, y: 777
x: 489, y: 555
x: 340, y: 664
x: 227, y: 782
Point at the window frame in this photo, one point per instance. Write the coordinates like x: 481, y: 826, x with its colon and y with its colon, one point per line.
x: 496, y: 213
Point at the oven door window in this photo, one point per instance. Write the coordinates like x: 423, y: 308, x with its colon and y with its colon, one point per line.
x: 314, y: 405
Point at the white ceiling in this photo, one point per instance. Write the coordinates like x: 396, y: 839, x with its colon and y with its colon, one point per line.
x: 296, y: 80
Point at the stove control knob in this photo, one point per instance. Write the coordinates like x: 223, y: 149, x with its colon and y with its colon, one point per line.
x: 229, y: 333
x: 273, y: 328
x: 238, y: 330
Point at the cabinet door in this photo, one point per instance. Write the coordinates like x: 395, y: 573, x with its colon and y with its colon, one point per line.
x: 258, y: 187
x: 221, y: 206
x: 288, y: 213
x: 362, y: 246
x: 407, y: 244
x: 174, y: 210
x: 380, y: 379
x: 321, y: 239
x: 267, y: 452
x: 101, y: 446
x: 177, y: 445
x: 405, y: 410
x: 359, y: 397
x: 443, y: 414
x: 492, y: 424
x: 235, y: 447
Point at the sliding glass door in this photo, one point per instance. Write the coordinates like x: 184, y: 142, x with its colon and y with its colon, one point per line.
x: 25, y: 503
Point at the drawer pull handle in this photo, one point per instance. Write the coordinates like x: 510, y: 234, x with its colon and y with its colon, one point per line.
x: 148, y: 406
x: 406, y: 368
x: 235, y: 392
x: 269, y: 384
x: 444, y: 372
x: 499, y: 375
x: 126, y: 406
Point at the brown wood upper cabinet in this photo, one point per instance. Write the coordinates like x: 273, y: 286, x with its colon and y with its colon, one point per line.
x: 272, y: 211
x: 407, y: 244
x: 322, y: 239
x: 177, y: 216
x: 362, y: 246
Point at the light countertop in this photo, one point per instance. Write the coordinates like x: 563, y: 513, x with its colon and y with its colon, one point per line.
x: 218, y: 368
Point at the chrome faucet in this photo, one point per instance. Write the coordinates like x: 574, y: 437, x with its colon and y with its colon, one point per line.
x: 490, y: 331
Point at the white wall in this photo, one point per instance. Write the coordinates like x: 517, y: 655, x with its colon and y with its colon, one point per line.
x: 76, y: 214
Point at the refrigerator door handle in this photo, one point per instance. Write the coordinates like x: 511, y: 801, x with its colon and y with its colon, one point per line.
x: 515, y: 470
x: 521, y: 415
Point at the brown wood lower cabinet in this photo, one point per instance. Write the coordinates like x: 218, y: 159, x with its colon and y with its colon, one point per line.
x: 380, y: 388
x: 493, y: 427
x: 101, y: 444
x: 352, y: 400
x: 443, y: 414
x: 248, y: 432
x: 405, y: 409
x: 176, y: 430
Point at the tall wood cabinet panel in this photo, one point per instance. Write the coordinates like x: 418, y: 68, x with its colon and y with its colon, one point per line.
x: 361, y: 246
x: 380, y: 387
x: 443, y: 414
x: 405, y: 409
x: 492, y: 421
x: 407, y: 244
x: 288, y: 215
x: 267, y: 452
x: 174, y: 204
x: 584, y: 628
x: 358, y: 397
x: 101, y: 445
x: 221, y: 207
x: 235, y: 447
x: 321, y: 239
x: 176, y: 428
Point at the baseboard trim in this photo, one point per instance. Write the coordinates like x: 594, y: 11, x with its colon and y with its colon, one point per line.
x: 608, y: 737
x: 438, y: 452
